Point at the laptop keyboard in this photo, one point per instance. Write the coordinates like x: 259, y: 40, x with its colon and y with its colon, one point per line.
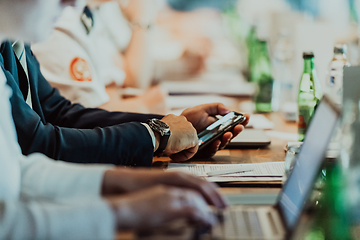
x: 242, y: 224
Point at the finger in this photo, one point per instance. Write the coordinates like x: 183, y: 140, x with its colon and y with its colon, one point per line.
x: 237, y: 130
x: 209, y: 150
x: 187, y: 182
x: 222, y: 110
x: 225, y: 139
x: 198, y: 217
x: 184, y: 155
x: 195, y: 209
x: 215, y: 146
x: 208, y: 190
x: 247, y: 120
x: 208, y: 121
x: 215, y: 109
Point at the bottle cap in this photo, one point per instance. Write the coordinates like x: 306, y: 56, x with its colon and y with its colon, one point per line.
x: 307, y: 55
x: 340, y: 48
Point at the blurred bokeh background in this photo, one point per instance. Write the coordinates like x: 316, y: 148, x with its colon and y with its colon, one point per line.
x: 209, y: 41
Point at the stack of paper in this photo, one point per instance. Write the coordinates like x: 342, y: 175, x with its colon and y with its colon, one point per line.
x: 254, y: 172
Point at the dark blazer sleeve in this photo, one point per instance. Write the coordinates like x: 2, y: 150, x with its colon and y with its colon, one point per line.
x: 70, y: 132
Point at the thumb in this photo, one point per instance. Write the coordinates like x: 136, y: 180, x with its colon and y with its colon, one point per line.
x: 215, y: 109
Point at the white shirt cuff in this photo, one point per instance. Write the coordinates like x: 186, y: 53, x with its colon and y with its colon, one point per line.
x: 152, y: 135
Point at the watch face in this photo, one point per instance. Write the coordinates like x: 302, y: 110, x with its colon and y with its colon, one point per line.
x: 160, y: 123
x: 160, y: 126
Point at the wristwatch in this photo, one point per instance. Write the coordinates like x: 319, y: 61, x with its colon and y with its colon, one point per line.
x: 164, y: 130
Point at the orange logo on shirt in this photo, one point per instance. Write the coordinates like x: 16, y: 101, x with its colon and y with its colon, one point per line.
x: 79, y: 70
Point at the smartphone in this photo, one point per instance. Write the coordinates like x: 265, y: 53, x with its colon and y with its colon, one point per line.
x: 218, y: 128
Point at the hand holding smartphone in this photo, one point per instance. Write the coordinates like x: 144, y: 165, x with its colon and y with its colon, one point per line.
x: 218, y: 128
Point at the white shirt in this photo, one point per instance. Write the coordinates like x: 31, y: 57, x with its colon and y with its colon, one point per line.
x: 94, y: 54
x: 80, y: 65
x: 45, y: 199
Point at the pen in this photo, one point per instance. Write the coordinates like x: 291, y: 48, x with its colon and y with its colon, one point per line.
x: 231, y: 170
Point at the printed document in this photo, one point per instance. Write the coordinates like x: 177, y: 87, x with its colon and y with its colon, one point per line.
x: 271, y: 171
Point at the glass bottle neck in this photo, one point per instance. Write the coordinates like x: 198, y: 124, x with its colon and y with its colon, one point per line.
x: 263, y: 48
x: 264, y: 59
x: 308, y: 65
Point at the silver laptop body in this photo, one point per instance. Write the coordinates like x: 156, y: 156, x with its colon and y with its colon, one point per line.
x: 279, y: 221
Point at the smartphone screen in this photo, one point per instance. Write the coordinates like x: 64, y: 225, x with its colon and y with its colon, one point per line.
x: 220, y: 126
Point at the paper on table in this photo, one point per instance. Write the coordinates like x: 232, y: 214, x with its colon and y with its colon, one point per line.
x: 271, y: 169
x: 244, y: 179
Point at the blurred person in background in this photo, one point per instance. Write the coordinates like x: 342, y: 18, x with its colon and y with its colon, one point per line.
x: 190, y: 39
x: 129, y: 44
x: 94, y: 52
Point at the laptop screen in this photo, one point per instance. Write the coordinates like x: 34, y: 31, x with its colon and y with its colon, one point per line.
x: 308, y: 163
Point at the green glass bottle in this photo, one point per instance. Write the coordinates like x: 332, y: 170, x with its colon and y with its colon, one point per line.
x: 252, y: 45
x: 330, y: 218
x: 262, y: 76
x: 309, y: 94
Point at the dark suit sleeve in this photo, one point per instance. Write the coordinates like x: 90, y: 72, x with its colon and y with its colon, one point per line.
x: 72, y: 133
x: 60, y: 111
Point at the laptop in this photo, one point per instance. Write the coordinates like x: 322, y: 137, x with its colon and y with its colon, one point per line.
x: 280, y: 220
x: 250, y: 138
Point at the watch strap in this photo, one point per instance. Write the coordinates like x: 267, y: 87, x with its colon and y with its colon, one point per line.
x: 163, y: 129
x: 162, y: 145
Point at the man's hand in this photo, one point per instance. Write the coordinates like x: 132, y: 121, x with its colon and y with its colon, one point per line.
x: 156, y: 206
x: 202, y: 116
x: 123, y: 180
x: 183, y: 141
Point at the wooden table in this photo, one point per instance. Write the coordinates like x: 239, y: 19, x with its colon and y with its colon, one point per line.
x: 273, y: 152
